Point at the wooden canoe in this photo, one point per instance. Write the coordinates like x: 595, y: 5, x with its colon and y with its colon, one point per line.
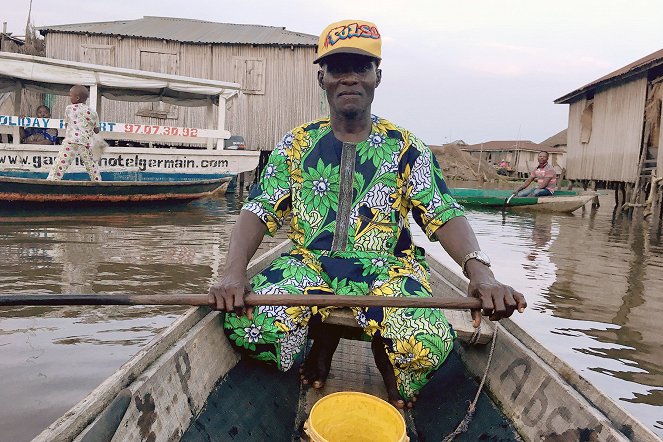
x: 40, y: 191
x: 189, y: 384
x: 564, y: 201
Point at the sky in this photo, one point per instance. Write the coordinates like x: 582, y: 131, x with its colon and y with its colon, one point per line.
x: 475, y: 70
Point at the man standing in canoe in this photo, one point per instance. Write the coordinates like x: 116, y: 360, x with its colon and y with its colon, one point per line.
x: 349, y: 182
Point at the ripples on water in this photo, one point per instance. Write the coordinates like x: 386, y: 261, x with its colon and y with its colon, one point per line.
x: 54, y: 356
x: 593, y: 286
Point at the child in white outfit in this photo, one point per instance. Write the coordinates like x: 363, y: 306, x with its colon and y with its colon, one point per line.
x: 81, y: 124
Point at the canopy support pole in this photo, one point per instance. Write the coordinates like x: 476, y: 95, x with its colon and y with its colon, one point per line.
x: 95, y: 98
x: 221, y: 120
x: 18, y: 97
x: 209, y: 122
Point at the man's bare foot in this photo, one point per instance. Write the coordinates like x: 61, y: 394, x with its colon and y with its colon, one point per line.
x: 315, y: 369
x: 387, y: 371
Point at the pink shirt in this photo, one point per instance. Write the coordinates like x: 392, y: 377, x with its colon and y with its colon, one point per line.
x: 81, y: 121
x: 544, y: 172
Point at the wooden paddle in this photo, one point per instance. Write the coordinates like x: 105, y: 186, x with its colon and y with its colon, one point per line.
x: 458, y: 303
x: 507, y: 201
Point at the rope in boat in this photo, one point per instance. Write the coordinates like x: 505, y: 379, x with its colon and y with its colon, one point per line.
x: 462, y: 426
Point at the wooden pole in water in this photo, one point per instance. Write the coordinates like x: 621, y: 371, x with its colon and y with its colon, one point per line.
x: 457, y: 303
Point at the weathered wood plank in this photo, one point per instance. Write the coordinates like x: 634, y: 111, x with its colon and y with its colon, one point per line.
x: 173, y: 390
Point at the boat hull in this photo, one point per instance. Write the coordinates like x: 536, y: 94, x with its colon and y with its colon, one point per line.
x: 169, y: 381
x: 132, y: 163
x: 564, y: 201
x: 558, y: 204
x: 39, y: 191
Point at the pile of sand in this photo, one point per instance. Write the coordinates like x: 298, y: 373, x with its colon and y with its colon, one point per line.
x: 459, y: 165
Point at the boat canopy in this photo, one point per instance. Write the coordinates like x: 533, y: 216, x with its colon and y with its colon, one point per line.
x: 49, y: 75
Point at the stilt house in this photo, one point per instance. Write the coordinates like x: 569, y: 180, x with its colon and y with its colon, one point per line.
x: 614, y: 130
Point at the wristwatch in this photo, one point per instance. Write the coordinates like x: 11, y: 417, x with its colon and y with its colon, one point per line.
x: 479, y: 256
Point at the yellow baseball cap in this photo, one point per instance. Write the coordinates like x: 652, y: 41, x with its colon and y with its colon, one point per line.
x: 350, y: 37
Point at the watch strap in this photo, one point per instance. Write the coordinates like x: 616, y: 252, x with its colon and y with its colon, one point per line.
x: 472, y: 255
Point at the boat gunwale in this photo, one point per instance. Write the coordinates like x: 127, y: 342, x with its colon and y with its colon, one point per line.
x: 82, y: 415
x: 102, y: 184
x: 611, y: 418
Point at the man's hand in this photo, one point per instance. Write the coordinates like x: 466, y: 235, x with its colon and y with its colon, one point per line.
x: 228, y: 294
x: 497, y: 300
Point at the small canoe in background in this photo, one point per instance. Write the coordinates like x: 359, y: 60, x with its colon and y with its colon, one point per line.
x: 29, y: 191
x: 563, y: 201
x: 189, y: 384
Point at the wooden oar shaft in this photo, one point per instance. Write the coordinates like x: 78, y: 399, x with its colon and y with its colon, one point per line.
x: 251, y: 299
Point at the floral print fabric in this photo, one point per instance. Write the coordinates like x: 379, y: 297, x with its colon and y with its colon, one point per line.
x: 395, y: 173
x: 80, y: 121
x: 417, y: 340
x: 391, y: 174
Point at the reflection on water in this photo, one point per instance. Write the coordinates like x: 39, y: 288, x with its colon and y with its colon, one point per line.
x: 593, y: 286
x: 53, y: 356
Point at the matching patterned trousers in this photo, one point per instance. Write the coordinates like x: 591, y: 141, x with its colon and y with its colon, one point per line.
x: 417, y: 341
x: 66, y: 155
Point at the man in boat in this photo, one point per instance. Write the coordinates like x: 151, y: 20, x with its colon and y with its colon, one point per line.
x: 545, y: 176
x: 81, y: 124
x: 349, y: 182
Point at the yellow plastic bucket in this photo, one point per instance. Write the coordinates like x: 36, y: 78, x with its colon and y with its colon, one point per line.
x: 353, y: 416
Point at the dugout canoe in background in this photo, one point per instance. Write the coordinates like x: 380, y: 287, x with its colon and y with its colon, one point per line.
x: 563, y: 201
x: 35, y: 192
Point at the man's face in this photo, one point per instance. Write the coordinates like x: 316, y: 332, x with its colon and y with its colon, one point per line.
x: 350, y: 81
x: 543, y: 158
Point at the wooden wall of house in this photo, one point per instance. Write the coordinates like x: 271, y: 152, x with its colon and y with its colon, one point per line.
x: 529, y: 159
x: 613, y: 150
x: 657, y: 110
x: 522, y: 161
x: 281, y: 89
x: 526, y: 161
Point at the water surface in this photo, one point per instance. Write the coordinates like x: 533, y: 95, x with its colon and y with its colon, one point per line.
x: 593, y: 284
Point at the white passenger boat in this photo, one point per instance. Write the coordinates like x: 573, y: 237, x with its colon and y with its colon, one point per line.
x: 140, y: 150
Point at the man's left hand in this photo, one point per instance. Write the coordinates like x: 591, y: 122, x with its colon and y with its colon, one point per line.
x: 497, y: 300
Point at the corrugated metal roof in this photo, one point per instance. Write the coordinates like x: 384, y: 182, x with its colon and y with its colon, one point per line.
x: 636, y: 68
x: 559, y: 139
x: 508, y: 145
x: 191, y: 31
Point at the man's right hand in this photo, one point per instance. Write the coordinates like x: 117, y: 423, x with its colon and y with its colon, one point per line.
x: 228, y: 294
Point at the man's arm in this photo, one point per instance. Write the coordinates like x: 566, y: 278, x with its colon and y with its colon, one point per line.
x: 228, y: 293
x: 498, y: 300
x: 527, y: 182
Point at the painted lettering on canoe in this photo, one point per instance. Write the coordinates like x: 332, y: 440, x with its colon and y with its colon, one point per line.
x: 536, y: 407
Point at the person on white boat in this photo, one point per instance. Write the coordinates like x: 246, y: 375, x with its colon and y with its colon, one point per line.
x: 81, y: 124
x: 350, y: 182
x: 39, y: 135
x: 545, y: 176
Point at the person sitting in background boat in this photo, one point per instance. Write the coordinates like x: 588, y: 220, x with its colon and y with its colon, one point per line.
x: 349, y: 182
x: 545, y: 176
x: 81, y: 124
x: 39, y: 135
